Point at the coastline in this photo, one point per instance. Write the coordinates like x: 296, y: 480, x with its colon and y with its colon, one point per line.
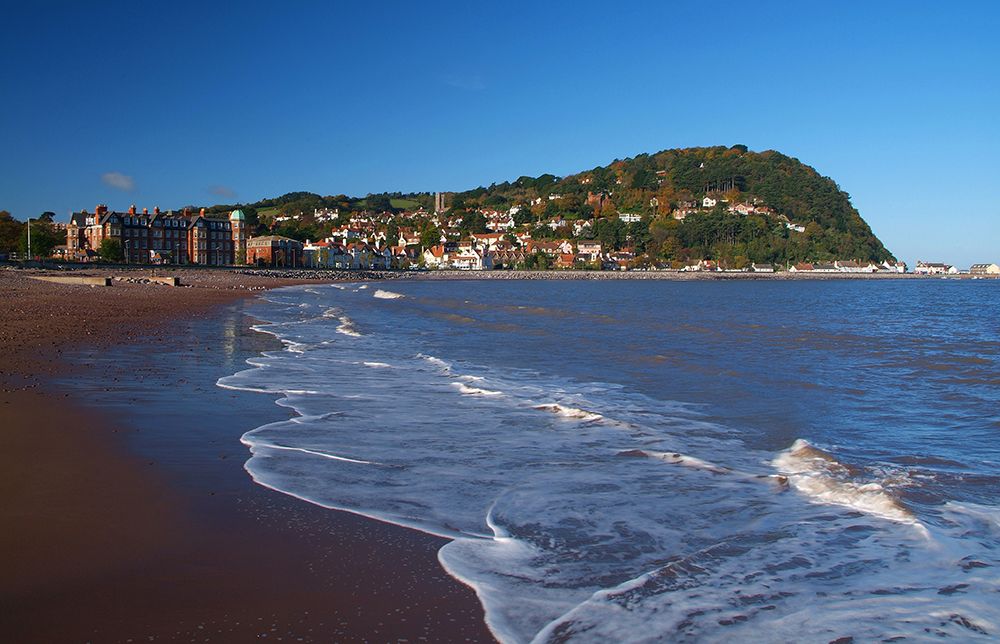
x: 118, y: 529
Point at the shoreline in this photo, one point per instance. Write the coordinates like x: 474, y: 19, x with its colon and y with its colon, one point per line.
x: 133, y: 530
x: 304, y: 275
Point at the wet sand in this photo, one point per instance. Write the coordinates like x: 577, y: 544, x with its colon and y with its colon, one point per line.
x: 116, y: 530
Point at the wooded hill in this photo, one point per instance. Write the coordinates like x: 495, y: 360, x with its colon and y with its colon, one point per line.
x: 784, y: 192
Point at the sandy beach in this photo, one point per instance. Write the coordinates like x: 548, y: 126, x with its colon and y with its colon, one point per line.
x: 120, y: 531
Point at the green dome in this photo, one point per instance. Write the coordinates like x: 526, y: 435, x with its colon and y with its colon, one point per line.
x: 237, y: 215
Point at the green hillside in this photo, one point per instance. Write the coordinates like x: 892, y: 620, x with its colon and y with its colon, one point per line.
x: 787, y: 211
x: 656, y: 186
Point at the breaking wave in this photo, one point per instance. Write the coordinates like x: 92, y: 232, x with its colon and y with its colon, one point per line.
x: 822, y: 478
x: 586, y: 510
x: 570, y: 412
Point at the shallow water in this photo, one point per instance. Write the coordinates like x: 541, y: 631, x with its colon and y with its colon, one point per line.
x: 641, y: 461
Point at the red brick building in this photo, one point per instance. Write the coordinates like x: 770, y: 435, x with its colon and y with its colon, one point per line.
x: 274, y: 251
x: 167, y: 238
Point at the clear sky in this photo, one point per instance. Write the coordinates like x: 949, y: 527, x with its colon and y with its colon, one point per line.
x: 174, y: 103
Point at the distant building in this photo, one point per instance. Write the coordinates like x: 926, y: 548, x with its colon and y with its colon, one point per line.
x: 326, y: 214
x: 629, y: 218
x: 984, y: 269
x: 589, y: 251
x: 934, y: 268
x: 158, y: 237
x: 439, y: 202
x: 274, y: 251
x: 849, y: 266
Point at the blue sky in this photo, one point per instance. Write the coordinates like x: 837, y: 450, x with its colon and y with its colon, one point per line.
x: 176, y: 103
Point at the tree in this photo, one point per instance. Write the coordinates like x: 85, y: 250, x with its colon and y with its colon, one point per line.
x: 392, y: 232
x: 44, y: 237
x: 10, y: 232
x: 111, y: 250
x: 430, y: 237
x: 379, y: 203
x: 523, y: 216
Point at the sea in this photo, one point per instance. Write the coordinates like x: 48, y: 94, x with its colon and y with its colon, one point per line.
x: 638, y: 461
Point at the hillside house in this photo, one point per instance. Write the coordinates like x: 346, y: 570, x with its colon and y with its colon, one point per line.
x: 589, y: 251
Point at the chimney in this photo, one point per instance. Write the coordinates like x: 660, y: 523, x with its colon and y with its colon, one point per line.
x: 187, y: 211
x: 202, y: 212
x: 145, y: 211
x: 156, y: 210
x: 131, y: 209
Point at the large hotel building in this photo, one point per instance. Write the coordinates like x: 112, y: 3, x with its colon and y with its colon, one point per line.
x: 157, y: 237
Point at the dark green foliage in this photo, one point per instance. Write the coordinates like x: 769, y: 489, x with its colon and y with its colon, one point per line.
x: 473, y: 221
x: 379, y: 203
x: 795, y: 191
x: 44, y: 237
x: 10, y: 232
x: 111, y: 250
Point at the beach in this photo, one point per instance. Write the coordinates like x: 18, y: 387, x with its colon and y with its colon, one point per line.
x: 118, y: 530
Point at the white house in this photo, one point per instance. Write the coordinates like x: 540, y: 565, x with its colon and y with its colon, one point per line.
x: 487, y: 240
x: 588, y: 250
x: 708, y: 202
x: 326, y: 214
x: 849, y: 266
x: 435, y: 257
x: 629, y: 218
x: 581, y: 225
x: 471, y: 259
x: 934, y: 268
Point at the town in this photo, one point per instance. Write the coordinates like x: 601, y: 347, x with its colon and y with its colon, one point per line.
x: 419, y: 239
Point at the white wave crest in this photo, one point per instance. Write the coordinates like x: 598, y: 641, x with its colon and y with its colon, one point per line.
x: 387, y: 295
x: 437, y: 362
x: 570, y: 412
x: 677, y: 458
x: 377, y: 365
x: 823, y: 479
x: 474, y: 391
x: 347, y: 327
